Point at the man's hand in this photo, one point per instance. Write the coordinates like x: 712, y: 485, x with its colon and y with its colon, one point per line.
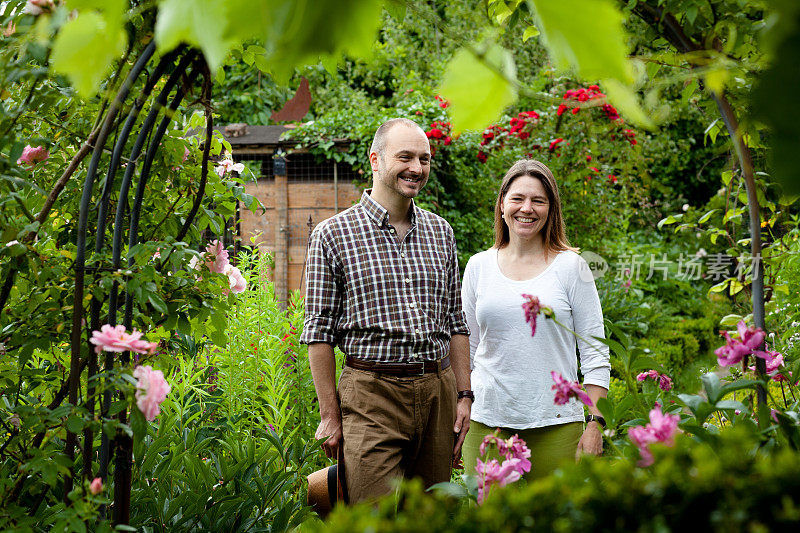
x: 331, y: 427
x: 461, y: 427
x: 591, y: 442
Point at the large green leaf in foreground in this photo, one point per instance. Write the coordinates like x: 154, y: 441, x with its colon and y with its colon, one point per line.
x: 479, y: 83
x: 84, y: 50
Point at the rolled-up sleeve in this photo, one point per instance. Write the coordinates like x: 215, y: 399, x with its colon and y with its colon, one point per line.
x: 587, y: 316
x: 458, y: 322
x: 323, y: 299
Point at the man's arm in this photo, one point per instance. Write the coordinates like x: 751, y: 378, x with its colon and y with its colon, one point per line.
x: 323, y: 370
x: 459, y: 359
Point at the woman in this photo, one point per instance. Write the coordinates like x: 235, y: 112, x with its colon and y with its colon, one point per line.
x: 511, y: 370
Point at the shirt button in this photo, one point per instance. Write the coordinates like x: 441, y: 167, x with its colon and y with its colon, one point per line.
x: 402, y: 254
x: 407, y: 280
x: 412, y: 305
x: 391, y: 230
x: 417, y: 331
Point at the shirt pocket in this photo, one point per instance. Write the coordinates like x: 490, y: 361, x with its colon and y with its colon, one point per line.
x: 434, y: 294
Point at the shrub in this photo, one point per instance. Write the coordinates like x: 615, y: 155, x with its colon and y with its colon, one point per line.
x: 729, y: 485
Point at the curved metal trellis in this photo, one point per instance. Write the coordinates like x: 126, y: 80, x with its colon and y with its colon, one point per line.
x: 179, y: 81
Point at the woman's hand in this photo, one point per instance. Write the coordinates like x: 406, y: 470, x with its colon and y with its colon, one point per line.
x: 591, y: 442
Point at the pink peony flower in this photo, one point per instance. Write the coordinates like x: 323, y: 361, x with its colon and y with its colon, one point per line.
x: 116, y: 339
x: 227, y: 165
x: 151, y: 390
x: 495, y: 473
x: 661, y: 428
x: 32, y: 155
x: 532, y: 307
x: 664, y: 381
x: 96, y: 486
x: 649, y: 374
x: 734, y: 350
x: 568, y: 389
x: 216, y: 257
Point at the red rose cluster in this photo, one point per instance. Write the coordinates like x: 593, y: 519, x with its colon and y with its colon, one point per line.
x: 516, y: 128
x: 444, y: 104
x: 439, y: 132
x: 575, y: 97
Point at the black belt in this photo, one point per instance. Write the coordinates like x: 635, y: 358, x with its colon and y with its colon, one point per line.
x: 400, y: 369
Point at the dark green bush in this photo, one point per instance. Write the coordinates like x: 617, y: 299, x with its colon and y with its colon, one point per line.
x: 730, y: 486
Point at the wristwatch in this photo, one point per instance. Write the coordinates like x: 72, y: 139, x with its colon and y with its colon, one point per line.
x: 466, y: 394
x: 596, y: 418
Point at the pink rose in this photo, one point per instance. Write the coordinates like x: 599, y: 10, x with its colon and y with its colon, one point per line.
x: 115, y: 339
x: 96, y: 486
x: 151, y: 390
x: 216, y: 257
x: 32, y: 155
x: 235, y: 279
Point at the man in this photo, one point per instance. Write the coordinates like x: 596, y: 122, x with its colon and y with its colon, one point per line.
x: 383, y: 285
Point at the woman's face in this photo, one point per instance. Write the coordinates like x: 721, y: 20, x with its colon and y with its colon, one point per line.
x: 525, y: 207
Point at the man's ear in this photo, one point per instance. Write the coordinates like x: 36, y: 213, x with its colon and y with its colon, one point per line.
x: 373, y: 161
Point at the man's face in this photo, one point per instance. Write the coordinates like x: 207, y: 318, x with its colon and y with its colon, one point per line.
x: 405, y: 164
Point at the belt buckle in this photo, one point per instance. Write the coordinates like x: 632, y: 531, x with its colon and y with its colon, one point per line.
x: 421, y: 369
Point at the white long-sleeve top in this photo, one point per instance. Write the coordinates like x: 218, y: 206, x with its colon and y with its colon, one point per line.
x: 510, y: 368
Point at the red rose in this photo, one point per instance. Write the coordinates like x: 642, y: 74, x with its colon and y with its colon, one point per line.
x: 447, y: 141
x: 561, y: 109
x: 482, y: 157
x: 524, y: 135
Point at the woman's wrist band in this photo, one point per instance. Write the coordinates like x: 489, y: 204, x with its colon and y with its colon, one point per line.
x: 596, y: 418
x: 466, y: 394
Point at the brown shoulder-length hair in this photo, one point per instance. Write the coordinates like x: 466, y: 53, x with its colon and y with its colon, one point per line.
x: 555, y: 238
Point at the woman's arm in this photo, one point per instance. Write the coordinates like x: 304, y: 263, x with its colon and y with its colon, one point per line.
x: 592, y: 439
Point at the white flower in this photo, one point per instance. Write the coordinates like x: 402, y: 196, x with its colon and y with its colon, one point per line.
x: 701, y: 253
x: 11, y: 243
x: 227, y: 165
x: 194, y: 263
x: 685, y: 207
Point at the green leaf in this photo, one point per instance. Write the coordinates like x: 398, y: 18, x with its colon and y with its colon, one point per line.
x: 449, y: 489
x: 705, y: 217
x: 671, y: 219
x: 84, y: 50
x: 74, y: 424
x: 627, y: 102
x: 138, y: 424
x: 586, y: 35
x: 730, y: 320
x: 530, y: 31
x: 606, y: 408
x: 195, y: 23
x: 712, y: 386
x: 479, y: 87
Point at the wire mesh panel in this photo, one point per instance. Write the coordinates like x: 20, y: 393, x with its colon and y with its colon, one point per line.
x: 315, y: 189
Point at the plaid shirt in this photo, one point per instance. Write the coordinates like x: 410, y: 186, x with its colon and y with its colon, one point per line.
x: 379, y: 299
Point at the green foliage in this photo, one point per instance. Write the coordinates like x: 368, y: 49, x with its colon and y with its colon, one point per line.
x: 691, y: 486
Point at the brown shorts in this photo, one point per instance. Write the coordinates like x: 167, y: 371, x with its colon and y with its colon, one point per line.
x: 396, y: 427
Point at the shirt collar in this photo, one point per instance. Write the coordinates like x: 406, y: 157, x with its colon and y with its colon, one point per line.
x: 379, y: 214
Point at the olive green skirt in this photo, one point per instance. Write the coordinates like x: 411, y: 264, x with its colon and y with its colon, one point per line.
x: 549, y: 446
